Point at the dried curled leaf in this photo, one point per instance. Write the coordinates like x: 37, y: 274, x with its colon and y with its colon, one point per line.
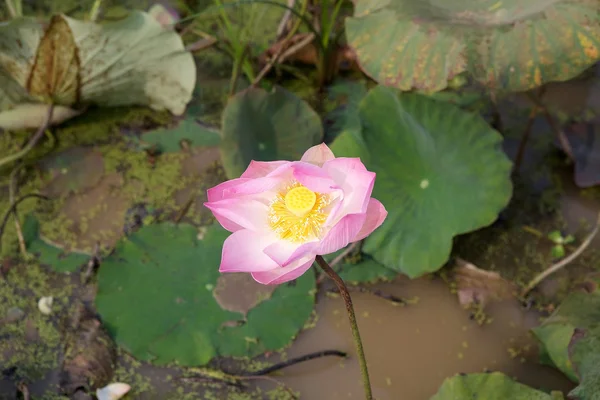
x: 72, y: 63
x: 54, y: 76
x: 477, y: 286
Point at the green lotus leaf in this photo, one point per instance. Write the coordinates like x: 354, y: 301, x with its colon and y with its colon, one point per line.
x: 187, y: 130
x: 507, y: 45
x: 584, y: 351
x: 440, y: 172
x: 365, y: 271
x: 488, y: 386
x: 266, y: 126
x: 156, y: 296
x: 55, y: 258
x: 570, y: 341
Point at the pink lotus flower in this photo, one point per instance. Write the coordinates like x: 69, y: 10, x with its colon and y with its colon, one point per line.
x: 285, y: 213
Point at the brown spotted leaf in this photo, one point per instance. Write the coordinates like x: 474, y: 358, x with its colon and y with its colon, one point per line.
x: 506, y: 45
x: 54, y: 77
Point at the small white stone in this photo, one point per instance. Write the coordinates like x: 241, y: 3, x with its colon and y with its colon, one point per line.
x: 113, y: 391
x: 424, y: 183
x: 45, y: 305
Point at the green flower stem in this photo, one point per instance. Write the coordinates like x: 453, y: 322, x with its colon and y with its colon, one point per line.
x: 355, y: 333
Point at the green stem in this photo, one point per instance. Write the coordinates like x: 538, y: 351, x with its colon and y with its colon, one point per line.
x: 297, y: 13
x: 238, y: 48
x: 95, y: 10
x: 13, y: 8
x: 355, y: 333
x: 238, y: 63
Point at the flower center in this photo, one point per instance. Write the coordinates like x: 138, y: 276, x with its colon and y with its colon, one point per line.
x: 300, y: 200
x: 297, y: 213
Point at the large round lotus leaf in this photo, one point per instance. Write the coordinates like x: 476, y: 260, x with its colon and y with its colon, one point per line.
x: 266, y: 126
x: 510, y: 45
x: 155, y: 295
x: 488, y: 386
x: 440, y: 172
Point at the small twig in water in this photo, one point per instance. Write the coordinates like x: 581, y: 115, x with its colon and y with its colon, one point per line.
x: 535, y: 281
x: 296, y: 360
x: 376, y: 292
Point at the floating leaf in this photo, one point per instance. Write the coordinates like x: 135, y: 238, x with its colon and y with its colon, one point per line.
x: 423, y: 44
x: 579, y: 310
x: 70, y: 63
x: 584, y: 351
x: 440, y: 172
x: 73, y: 170
x: 266, y: 126
x: 188, y: 131
x: 365, y: 271
x: 162, y: 278
x: 488, y: 386
x: 57, y: 259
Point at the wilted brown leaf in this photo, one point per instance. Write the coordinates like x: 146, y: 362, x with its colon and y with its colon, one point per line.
x: 54, y: 77
x: 477, y: 286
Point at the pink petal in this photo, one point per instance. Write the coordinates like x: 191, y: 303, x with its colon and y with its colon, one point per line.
x: 318, y: 155
x: 260, y: 169
x: 285, y: 274
x: 235, y: 214
x: 284, y: 252
x: 376, y: 214
x: 354, y: 179
x: 217, y: 193
x: 313, y: 177
x: 243, y: 252
x: 242, y: 187
x: 342, y: 233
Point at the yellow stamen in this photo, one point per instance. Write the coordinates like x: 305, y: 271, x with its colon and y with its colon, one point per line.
x: 300, y: 200
x: 297, y: 213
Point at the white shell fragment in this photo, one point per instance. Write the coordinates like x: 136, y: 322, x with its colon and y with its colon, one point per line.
x: 45, y: 305
x: 112, y: 391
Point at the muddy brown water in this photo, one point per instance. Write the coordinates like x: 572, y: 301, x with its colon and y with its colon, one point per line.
x: 411, y: 349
